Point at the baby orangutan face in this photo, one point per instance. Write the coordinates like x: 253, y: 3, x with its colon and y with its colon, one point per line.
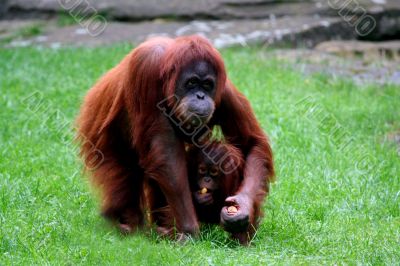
x: 208, y: 180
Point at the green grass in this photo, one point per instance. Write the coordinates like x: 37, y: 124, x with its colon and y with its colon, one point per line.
x: 332, y: 204
x: 65, y: 19
x: 74, y: 17
x: 30, y: 31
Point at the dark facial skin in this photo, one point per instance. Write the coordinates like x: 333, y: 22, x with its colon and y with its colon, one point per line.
x: 196, y: 87
x: 208, y: 176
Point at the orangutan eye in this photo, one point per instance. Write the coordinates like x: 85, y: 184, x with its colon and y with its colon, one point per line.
x: 192, y: 82
x: 208, y: 85
x: 202, y: 170
x: 214, y: 171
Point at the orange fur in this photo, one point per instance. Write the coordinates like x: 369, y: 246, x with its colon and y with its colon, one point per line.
x: 119, y: 117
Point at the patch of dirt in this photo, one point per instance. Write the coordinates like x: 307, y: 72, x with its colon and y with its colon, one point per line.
x: 372, y: 68
x: 367, y: 50
x: 395, y: 138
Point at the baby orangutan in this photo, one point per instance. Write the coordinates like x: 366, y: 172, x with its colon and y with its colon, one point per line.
x: 215, y: 173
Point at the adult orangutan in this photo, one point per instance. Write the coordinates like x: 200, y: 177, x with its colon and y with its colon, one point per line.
x: 165, y: 93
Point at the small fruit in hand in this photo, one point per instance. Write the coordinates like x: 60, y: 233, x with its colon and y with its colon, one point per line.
x: 232, y: 209
x: 203, y: 190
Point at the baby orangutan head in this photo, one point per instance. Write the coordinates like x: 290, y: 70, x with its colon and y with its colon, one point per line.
x: 214, y: 172
x: 208, y: 181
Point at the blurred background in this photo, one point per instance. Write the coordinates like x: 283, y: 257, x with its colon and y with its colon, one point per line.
x: 323, y: 78
x: 346, y: 36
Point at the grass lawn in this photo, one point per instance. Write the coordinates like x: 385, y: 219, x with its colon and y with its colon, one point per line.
x: 336, y: 199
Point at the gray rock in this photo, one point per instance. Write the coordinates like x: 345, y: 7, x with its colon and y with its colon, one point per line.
x: 298, y: 23
x: 294, y: 31
x: 150, y: 9
x: 370, y: 19
x: 388, y: 26
x: 3, y: 7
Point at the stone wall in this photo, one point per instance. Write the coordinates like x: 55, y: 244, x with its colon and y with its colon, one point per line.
x: 150, y: 9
